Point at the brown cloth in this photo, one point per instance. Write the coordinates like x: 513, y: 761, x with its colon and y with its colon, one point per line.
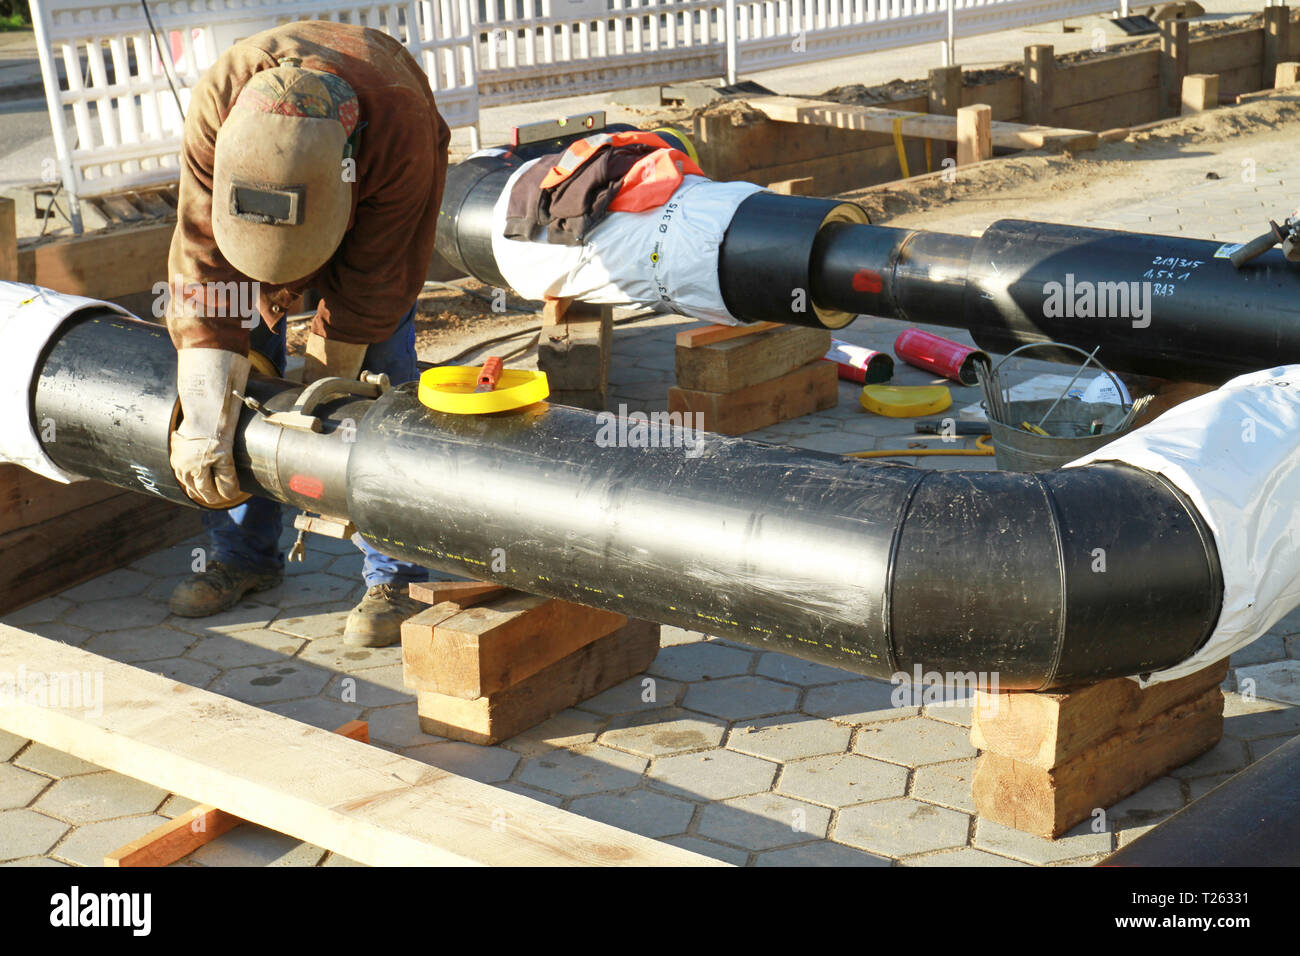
x: 401, y: 165
x: 572, y: 208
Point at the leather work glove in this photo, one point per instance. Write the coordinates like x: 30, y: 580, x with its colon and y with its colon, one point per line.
x: 327, y: 358
x: 202, y: 447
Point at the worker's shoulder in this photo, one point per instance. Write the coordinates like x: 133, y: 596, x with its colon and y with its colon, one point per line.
x: 367, y: 58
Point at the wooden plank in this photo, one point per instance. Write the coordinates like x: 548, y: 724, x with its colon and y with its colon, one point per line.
x: 463, y: 593
x: 1046, y: 730
x: 944, y: 97
x: 974, y: 134
x: 1047, y: 802
x: 805, y: 390
x: 1103, y: 78
x: 1200, y: 92
x: 1038, y: 89
x: 1277, y: 41
x: 573, y: 350
x: 8, y: 240
x: 105, y: 265
x: 26, y: 498
x: 1003, y: 96
x: 360, y: 801
x: 789, y: 109
x: 1287, y: 74
x: 1130, y: 109
x: 198, y: 826
x: 1174, y: 54
x: 740, y: 362
x: 488, y: 648
x: 598, y: 666
x: 801, y: 186
x: 78, y: 545
x: 1227, y: 51
x: 710, y: 334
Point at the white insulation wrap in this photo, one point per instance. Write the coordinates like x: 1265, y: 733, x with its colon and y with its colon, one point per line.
x: 632, y: 258
x: 29, y: 316
x: 1235, y: 453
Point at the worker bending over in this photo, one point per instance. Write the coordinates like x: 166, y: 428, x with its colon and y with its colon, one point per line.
x: 314, y: 155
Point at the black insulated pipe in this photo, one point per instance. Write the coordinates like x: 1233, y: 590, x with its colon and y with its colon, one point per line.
x: 875, y: 568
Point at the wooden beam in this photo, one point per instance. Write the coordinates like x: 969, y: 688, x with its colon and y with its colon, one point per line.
x: 463, y: 593
x: 8, y: 240
x: 811, y: 388
x: 359, y: 801
x: 1174, y: 54
x: 874, y: 119
x: 104, y: 265
x: 1037, y: 93
x: 1287, y: 74
x: 1200, y: 92
x: 708, y: 334
x: 974, y: 134
x: 740, y: 362
x: 1277, y: 42
x: 198, y: 826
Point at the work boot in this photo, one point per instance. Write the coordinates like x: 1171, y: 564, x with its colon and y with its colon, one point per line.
x: 218, y: 588
x: 377, y: 620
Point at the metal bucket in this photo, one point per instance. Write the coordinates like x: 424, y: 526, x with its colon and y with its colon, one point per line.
x: 1070, y: 423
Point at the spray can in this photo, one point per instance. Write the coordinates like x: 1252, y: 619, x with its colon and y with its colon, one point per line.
x: 934, y: 353
x: 857, y: 363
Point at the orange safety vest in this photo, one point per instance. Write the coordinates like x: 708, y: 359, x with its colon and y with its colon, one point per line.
x: 649, y: 183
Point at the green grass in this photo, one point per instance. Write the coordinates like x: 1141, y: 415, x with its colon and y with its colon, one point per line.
x: 13, y: 21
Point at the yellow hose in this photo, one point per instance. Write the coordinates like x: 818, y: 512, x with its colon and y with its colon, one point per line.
x: 982, y: 447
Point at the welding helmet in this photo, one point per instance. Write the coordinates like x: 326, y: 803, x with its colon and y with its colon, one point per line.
x: 280, y: 198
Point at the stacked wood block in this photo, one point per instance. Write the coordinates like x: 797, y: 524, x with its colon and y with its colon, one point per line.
x: 1049, y: 761
x: 573, y: 350
x: 488, y: 662
x: 741, y: 378
x: 53, y: 536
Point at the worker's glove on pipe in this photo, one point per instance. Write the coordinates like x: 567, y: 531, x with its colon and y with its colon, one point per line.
x: 328, y: 358
x: 202, y: 454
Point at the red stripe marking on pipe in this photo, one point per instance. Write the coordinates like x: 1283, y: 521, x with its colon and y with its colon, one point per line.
x: 866, y: 280
x: 306, y: 485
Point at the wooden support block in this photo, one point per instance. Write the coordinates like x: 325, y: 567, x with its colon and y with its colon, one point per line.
x: 809, y: 389
x: 105, y: 265
x: 1050, y: 760
x: 1175, y: 49
x: 198, y: 826
x: 1286, y: 74
x: 1277, y: 41
x: 573, y: 350
x: 479, y: 651
x: 1038, y: 92
x: 708, y: 334
x: 803, y: 186
x: 462, y: 593
x: 740, y: 362
x: 598, y: 666
x: 1200, y: 92
x: 945, y: 91
x: 8, y: 240
x: 974, y: 134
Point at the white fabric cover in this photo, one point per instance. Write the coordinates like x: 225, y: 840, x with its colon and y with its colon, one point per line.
x: 29, y: 315
x: 1235, y: 453
x: 666, y: 257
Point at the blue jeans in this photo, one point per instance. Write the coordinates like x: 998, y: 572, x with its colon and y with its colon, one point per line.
x: 248, y: 536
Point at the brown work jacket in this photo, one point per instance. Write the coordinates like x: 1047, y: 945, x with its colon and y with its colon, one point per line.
x: 401, y: 165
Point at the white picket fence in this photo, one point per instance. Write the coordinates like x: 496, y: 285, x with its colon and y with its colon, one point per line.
x: 126, y: 127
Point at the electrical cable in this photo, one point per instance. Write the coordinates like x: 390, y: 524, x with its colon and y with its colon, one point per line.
x: 164, y: 59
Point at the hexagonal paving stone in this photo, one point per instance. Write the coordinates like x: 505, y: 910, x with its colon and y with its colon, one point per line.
x: 659, y: 733
x: 19, y: 787
x: 1227, y: 756
x: 901, y: 827
x: 550, y: 799
x: 789, y: 737
x: 40, y: 612
x: 143, y: 644
x: 27, y: 833
x: 705, y: 660
x: 966, y: 856
x: 484, y: 764
x: 856, y: 702
x: 178, y: 559
x: 397, y: 725
x: 1079, y: 842
x: 120, y: 583
x: 636, y: 694
x: 117, y: 614
x: 246, y: 614
x: 182, y: 670
x: 10, y: 744
x: 670, y: 636
x: 90, y: 798
x: 947, y: 784
x: 763, y: 821
x: 1155, y: 801
x: 586, y: 768
x: 821, y: 853
x: 349, y: 566
x: 242, y: 648
x: 373, y: 687
x: 565, y: 729
x: 915, y: 742
x: 313, y: 588
x: 1278, y: 681
x: 955, y: 712
x: 53, y: 763
x: 61, y: 632
x: 89, y: 845
x: 262, y: 683
x: 1250, y: 720
x: 727, y: 854
x: 792, y: 670
x: 332, y: 653
x: 1270, y: 647
x: 1264, y: 746
x: 317, y: 711
x: 41, y: 861
x: 323, y: 623
x: 741, y: 698
x: 839, y: 780
x: 250, y: 845
x: 637, y: 811
x: 711, y: 774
